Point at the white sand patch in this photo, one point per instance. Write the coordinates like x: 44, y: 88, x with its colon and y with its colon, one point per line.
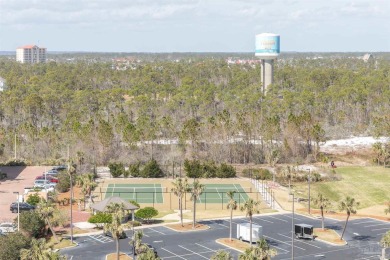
x: 352, y: 143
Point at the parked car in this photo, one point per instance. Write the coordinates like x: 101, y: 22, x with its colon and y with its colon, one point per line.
x: 109, y: 234
x: 47, y: 177
x: 53, y: 173
x: 60, y: 168
x: 41, y: 183
x: 7, y: 227
x: 23, y: 206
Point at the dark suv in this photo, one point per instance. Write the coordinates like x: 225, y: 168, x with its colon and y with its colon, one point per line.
x: 23, y: 206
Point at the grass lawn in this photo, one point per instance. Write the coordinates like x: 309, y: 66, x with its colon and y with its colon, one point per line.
x: 122, y: 256
x: 62, y: 244
x: 368, y: 185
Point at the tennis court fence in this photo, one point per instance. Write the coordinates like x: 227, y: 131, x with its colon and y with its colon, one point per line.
x: 209, y: 199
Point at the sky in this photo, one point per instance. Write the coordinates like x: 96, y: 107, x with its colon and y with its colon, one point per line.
x: 195, y: 25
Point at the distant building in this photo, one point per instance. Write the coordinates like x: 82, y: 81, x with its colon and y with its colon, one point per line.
x: 31, y: 54
x: 368, y: 57
x: 2, y: 84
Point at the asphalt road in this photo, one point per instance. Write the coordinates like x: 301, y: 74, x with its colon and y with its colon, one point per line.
x: 362, y: 236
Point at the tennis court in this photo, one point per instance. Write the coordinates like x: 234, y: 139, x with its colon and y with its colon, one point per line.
x: 216, y: 193
x: 141, y: 193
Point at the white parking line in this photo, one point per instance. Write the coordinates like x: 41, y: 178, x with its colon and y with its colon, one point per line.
x: 357, y: 223
x: 278, y: 218
x: 101, y: 239
x: 281, y: 249
x: 206, y: 247
x: 174, y: 255
x: 284, y: 242
x: 377, y: 225
x: 193, y: 252
x: 223, y: 225
x: 377, y: 229
x: 157, y: 231
x: 262, y: 219
x: 304, y: 242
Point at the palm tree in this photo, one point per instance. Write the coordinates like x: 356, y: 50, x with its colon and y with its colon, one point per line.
x: 136, y: 242
x: 221, y: 255
x: 349, y: 205
x: 148, y: 255
x: 322, y: 203
x: 262, y: 251
x: 196, y: 191
x: 46, y: 211
x: 385, y: 243
x: 250, y: 207
x: 116, y: 227
x: 180, y: 187
x: 232, y: 205
x: 88, y: 184
x: 387, y: 210
x: 40, y: 251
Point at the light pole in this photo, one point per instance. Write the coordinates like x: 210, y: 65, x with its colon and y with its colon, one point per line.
x: 17, y: 192
x: 309, y: 180
x: 133, y: 240
x: 292, y: 228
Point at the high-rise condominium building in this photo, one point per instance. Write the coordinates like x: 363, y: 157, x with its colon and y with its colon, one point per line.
x: 31, y: 54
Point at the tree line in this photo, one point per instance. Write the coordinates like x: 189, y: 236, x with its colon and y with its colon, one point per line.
x: 200, y: 109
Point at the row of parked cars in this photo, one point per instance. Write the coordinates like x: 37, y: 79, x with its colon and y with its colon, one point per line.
x: 46, y: 182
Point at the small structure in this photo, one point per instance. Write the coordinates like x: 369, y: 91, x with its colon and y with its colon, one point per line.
x: 102, y: 205
x: 367, y: 57
x: 243, y: 232
x: 2, y: 84
x: 304, y: 231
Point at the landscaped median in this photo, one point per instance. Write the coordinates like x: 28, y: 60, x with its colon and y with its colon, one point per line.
x: 234, y: 244
x: 187, y: 227
x: 329, y: 236
x: 122, y: 256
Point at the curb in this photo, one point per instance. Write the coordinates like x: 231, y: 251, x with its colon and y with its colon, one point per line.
x: 229, y: 246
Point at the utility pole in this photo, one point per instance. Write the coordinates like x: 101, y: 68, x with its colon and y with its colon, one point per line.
x: 15, y: 147
x: 309, y: 180
x: 71, y: 197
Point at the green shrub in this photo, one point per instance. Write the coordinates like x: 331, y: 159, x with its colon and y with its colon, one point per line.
x: 116, y: 169
x: 33, y: 199
x: 11, y: 245
x: 209, y: 170
x: 146, y: 213
x: 193, y: 169
x: 262, y: 174
x: 135, y: 203
x: 134, y: 223
x: 226, y: 171
x: 63, y: 184
x: 14, y: 163
x: 134, y: 170
x: 100, y: 218
x: 152, y: 170
x: 32, y: 223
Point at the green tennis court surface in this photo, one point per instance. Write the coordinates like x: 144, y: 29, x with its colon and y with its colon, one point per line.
x: 216, y: 193
x: 142, y: 193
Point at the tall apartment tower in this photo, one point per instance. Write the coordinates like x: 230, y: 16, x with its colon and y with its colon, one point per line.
x: 267, y: 49
x: 31, y: 54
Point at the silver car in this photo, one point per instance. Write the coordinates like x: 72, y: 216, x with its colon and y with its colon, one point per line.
x: 7, y: 227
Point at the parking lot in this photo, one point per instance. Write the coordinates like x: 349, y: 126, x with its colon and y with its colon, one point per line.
x: 19, y: 177
x: 362, y: 236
